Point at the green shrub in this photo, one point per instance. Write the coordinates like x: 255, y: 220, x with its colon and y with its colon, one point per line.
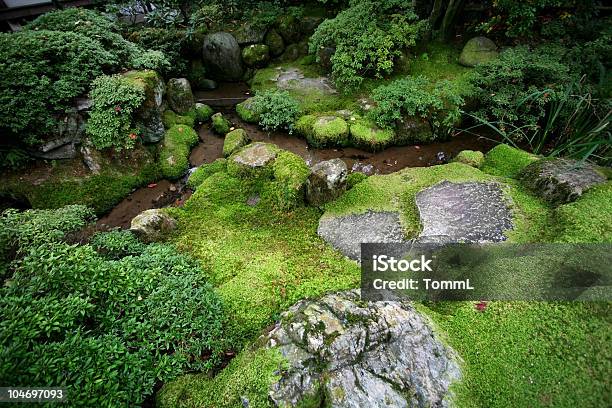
x: 115, y: 99
x: 438, y: 103
x: 169, y: 41
x: 174, y: 153
x: 116, y: 244
x: 276, y: 109
x: 367, y: 37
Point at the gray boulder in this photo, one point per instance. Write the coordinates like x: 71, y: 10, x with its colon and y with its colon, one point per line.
x: 149, y: 114
x: 66, y: 136
x: 275, y: 43
x: 249, y: 33
x: 413, y: 130
x: 152, y: 225
x: 324, y: 56
x: 221, y: 56
x: 464, y: 212
x: 560, y: 181
x: 326, y: 182
x: 180, y: 96
x: 478, y: 50
x: 351, y: 353
x: 254, y: 160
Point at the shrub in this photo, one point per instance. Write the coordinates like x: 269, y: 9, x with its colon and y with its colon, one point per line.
x: 278, y: 109
x: 367, y: 37
x: 116, y: 244
x: 174, y: 154
x: 115, y: 99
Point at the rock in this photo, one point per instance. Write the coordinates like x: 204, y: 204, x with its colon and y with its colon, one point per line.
x: 464, y: 212
x: 203, y: 112
x: 289, y: 28
x: 275, y: 43
x: 352, y: 353
x: 91, y: 158
x: 478, y: 50
x: 220, y: 124
x: 324, y: 56
x: 413, y: 130
x: 68, y: 133
x: 402, y: 63
x: 294, y: 79
x: 560, y: 181
x: 309, y: 24
x: 246, y: 111
x: 367, y: 135
x: 235, y: 140
x: 256, y: 55
x: 252, y: 160
x: 221, y: 55
x: 180, y: 96
x: 470, y: 157
x: 346, y: 233
x: 293, y: 52
x: 249, y: 34
x: 329, y: 131
x: 152, y: 225
x: 326, y: 182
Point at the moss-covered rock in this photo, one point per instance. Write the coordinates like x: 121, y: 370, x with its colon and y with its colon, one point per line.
x: 355, y: 178
x: 152, y: 225
x: 326, y: 130
x: 413, y: 130
x: 174, y: 152
x: 366, y: 135
x: 290, y: 173
x: 477, y: 51
x: 275, y: 43
x: 170, y: 118
x: 203, y: 112
x: 507, y: 161
x: 246, y: 111
x: 148, y: 116
x: 256, y: 55
x: 220, y: 124
x: 253, y: 161
x: 206, y: 170
x: 235, y: 140
x: 289, y: 28
x: 180, y: 96
x: 470, y: 157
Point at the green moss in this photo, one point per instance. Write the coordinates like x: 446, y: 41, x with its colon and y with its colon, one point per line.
x: 506, y: 161
x: 470, y: 157
x: 203, y: 112
x: 234, y: 140
x: 170, y: 119
x: 174, y: 152
x: 437, y: 61
x: 204, y: 171
x: 255, y: 55
x: 151, y: 83
x: 249, y: 376
x: 355, y: 178
x: 366, y: 135
x: 246, y: 112
x: 290, y: 175
x: 220, y: 124
x: 328, y: 131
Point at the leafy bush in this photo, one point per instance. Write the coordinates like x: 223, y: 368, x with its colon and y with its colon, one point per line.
x: 437, y: 103
x: 106, y: 329
x: 116, y: 244
x: 115, y: 99
x: 367, y: 37
x: 278, y: 109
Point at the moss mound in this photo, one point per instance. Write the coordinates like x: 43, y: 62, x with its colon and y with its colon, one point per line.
x: 470, y: 157
x: 203, y: 112
x: 366, y: 135
x: 323, y: 130
x: 256, y: 55
x: 174, y: 152
x: 506, y: 161
x: 204, y: 171
x: 246, y: 112
x: 220, y: 124
x: 171, y: 118
x: 234, y: 140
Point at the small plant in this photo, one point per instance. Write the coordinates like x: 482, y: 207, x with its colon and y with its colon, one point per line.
x: 279, y: 109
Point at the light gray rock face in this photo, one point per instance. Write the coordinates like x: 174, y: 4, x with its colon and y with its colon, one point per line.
x: 347, y: 232
x: 180, y: 96
x: 560, y: 181
x: 151, y: 225
x: 326, y: 182
x: 222, y: 56
x: 255, y: 155
x: 464, y: 212
x: 352, y: 353
x: 293, y: 79
x: 66, y: 136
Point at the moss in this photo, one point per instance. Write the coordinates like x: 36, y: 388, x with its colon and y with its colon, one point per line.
x: 366, y: 135
x: 234, y: 140
x: 470, y: 157
x: 170, y: 119
x: 290, y: 174
x: 506, y: 161
x: 256, y: 55
x: 246, y: 112
x: 151, y: 83
x: 248, y: 376
x: 328, y: 131
x: 355, y: 178
x: 237, y: 169
x: 220, y: 124
x: 203, y: 112
x: 204, y: 171
x: 174, y: 152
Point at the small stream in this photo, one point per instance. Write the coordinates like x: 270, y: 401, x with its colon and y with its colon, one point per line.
x: 165, y: 193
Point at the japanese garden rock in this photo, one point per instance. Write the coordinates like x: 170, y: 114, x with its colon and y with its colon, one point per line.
x: 470, y: 157
x: 208, y: 84
x: 92, y: 158
x: 294, y: 79
x: 235, y: 140
x: 220, y: 124
x: 289, y: 28
x: 308, y: 24
x: 256, y: 55
x: 464, y: 212
x: 347, y: 232
x: 152, y: 225
x: 330, y: 130
x: 413, y: 130
x: 352, y: 353
x: 221, y: 55
x: 560, y: 181
x: 247, y: 112
x: 275, y: 43
x: 293, y: 52
x: 180, y: 96
x: 249, y: 33
x: 478, y: 50
x: 251, y: 159
x: 326, y: 182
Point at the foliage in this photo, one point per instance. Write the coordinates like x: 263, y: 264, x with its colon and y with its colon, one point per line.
x: 106, y: 329
x: 277, y: 109
x: 174, y: 153
x: 171, y: 42
x: 115, y: 99
x: 116, y: 244
x: 367, y: 37
x: 437, y: 103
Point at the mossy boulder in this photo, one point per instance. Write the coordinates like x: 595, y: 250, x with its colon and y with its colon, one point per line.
x: 507, y: 161
x: 470, y: 157
x: 174, y: 152
x: 326, y: 182
x: 246, y: 111
x: 256, y: 55
x: 293, y: 52
x: 413, y: 130
x: 477, y: 51
x: 149, y: 115
x: 253, y: 161
x: 275, y: 43
x: 249, y: 33
x: 366, y: 135
x: 152, y: 225
x: 206, y: 170
x: 180, y: 96
x: 203, y: 112
x: 321, y: 131
x: 170, y: 118
x: 220, y: 124
x: 235, y: 140
x: 289, y: 28
x: 221, y: 55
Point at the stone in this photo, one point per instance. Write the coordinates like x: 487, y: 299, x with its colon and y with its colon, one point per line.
x: 203, y: 112
x: 91, y: 158
x: 152, y: 225
x: 247, y: 112
x: 346, y: 232
x: 293, y: 52
x: 234, y: 141
x: 309, y: 24
x: 220, y: 124
x: 329, y: 131
x: 249, y: 33
x: 275, y: 43
x: 289, y: 28
x: 351, y: 353
x: 254, y: 156
x: 256, y: 55
x: 413, y: 130
x: 326, y: 182
x: 66, y: 136
x: 560, y: 181
x: 366, y: 135
x: 477, y: 51
x: 470, y: 157
x: 402, y: 63
x: 324, y: 56
x: 471, y: 212
x: 222, y: 57
x: 180, y: 96
x: 293, y: 79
